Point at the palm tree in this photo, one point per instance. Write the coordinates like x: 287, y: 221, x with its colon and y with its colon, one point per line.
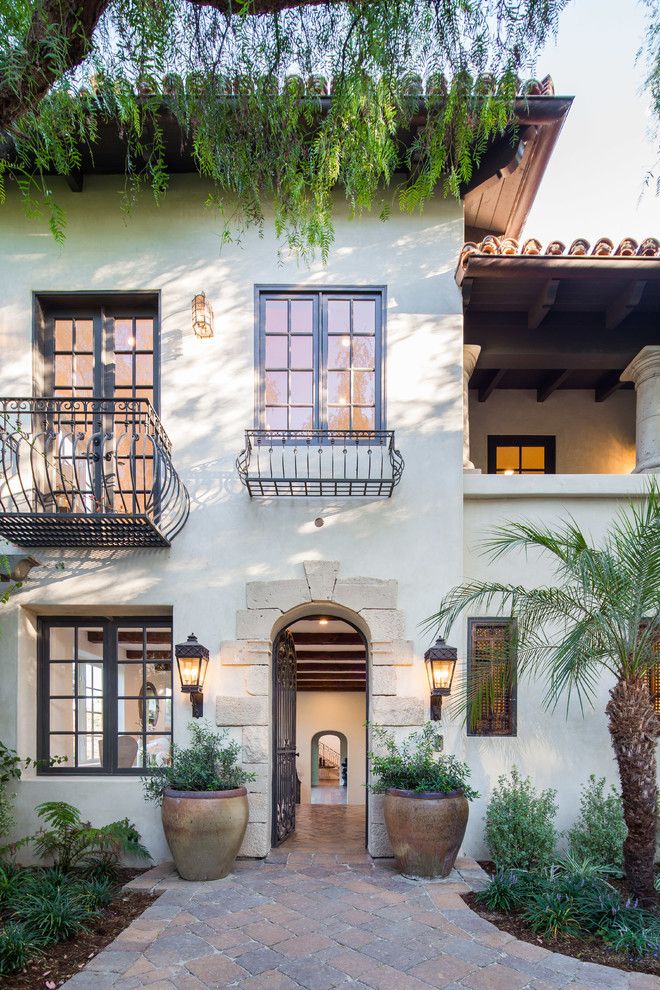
x: 599, y: 618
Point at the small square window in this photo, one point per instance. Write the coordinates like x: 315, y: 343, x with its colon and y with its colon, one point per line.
x: 520, y: 454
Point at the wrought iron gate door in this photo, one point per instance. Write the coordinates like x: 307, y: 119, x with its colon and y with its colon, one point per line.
x: 284, y: 738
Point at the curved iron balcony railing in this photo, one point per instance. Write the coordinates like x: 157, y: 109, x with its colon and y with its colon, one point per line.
x: 78, y: 472
x: 320, y: 462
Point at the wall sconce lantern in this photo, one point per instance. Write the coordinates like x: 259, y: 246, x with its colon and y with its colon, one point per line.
x: 202, y: 316
x: 440, y: 661
x: 192, y: 659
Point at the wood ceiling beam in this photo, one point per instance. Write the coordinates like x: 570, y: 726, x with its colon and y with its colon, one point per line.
x: 607, y: 386
x: 347, y: 656
x: 74, y: 180
x: 624, y: 304
x: 327, y: 639
x: 334, y: 687
x: 327, y: 668
x: 551, y: 384
x: 543, y: 303
x: 130, y: 636
x: 486, y: 390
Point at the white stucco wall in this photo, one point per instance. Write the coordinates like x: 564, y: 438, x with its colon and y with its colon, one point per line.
x: 207, y: 402
x: 340, y: 711
x: 591, y: 437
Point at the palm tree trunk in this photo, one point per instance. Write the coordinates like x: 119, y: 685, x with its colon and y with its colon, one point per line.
x: 634, y: 729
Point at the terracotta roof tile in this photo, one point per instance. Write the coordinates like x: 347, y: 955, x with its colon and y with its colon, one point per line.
x: 580, y: 248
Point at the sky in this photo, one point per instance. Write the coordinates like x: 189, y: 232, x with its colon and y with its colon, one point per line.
x: 595, y: 178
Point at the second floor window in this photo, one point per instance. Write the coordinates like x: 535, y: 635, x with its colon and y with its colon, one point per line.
x: 98, y: 349
x: 521, y: 454
x: 320, y: 358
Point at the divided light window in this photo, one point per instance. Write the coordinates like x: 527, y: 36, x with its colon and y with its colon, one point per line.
x: 98, y: 349
x: 320, y: 360
x: 491, y: 662
x: 104, y: 694
x: 517, y: 454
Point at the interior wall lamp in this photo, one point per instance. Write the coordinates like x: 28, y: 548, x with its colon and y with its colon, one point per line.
x: 192, y: 659
x: 440, y: 661
x: 202, y: 316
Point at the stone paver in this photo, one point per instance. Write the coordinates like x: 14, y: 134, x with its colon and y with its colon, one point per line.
x: 305, y: 920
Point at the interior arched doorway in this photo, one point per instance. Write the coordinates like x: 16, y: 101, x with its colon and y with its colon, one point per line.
x: 319, y: 678
x: 328, y: 767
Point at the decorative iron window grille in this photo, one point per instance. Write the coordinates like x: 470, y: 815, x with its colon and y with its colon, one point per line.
x: 84, y: 472
x: 320, y: 463
x: 653, y: 674
x: 491, y: 677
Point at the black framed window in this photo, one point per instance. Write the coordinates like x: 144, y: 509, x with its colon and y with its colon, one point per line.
x: 320, y: 358
x: 517, y: 454
x: 90, y: 347
x: 105, y: 694
x: 491, y: 677
x: 653, y: 674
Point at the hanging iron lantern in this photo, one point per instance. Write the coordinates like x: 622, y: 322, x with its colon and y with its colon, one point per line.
x: 440, y: 661
x: 192, y: 660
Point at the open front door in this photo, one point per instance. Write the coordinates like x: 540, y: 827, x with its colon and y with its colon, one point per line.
x: 284, y: 738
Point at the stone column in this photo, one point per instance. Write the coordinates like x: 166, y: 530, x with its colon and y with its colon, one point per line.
x: 644, y: 371
x: 470, y: 354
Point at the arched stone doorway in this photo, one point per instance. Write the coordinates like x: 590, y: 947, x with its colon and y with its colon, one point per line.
x: 372, y: 604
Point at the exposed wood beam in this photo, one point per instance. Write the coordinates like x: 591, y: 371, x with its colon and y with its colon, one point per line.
x: 132, y: 636
x: 153, y: 655
x: 624, y: 304
x: 551, y: 384
x: 361, y: 689
x: 330, y: 675
x: 331, y: 656
x: 74, y: 180
x: 486, y: 390
x: 543, y: 303
x: 327, y: 639
x: 328, y: 668
x: 607, y: 386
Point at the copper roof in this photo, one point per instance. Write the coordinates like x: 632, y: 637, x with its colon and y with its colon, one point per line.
x: 580, y: 248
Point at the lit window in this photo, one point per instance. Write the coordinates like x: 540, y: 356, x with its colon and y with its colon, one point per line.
x: 521, y: 455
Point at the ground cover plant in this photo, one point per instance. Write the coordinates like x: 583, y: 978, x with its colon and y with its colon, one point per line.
x: 573, y: 906
x: 68, y: 898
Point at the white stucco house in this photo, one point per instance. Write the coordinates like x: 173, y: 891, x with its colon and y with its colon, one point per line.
x: 297, y: 473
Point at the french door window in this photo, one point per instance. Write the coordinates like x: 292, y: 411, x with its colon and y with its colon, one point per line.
x: 105, y: 694
x: 320, y: 357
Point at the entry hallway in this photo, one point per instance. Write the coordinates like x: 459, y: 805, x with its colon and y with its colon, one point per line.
x: 322, y: 920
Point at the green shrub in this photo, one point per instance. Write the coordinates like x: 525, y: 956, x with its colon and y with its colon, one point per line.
x: 506, y: 891
x: 96, y: 892
x: 17, y: 946
x: 210, y: 763
x: 417, y: 764
x: 53, y: 915
x: 600, y: 831
x: 72, y: 844
x: 633, y: 931
x: 520, y: 830
x: 551, y: 913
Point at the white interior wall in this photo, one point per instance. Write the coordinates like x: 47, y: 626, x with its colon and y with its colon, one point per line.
x: 592, y: 437
x: 341, y: 711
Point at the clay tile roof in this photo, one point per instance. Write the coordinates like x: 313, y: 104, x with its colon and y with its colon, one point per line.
x: 580, y: 248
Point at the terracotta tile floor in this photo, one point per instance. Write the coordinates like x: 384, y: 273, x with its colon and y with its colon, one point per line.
x: 327, y: 828
x: 329, y: 792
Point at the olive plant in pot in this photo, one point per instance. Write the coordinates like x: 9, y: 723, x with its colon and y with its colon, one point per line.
x: 426, y: 799
x: 203, y: 802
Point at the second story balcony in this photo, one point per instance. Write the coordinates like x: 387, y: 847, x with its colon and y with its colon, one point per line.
x: 83, y: 472
x: 329, y: 463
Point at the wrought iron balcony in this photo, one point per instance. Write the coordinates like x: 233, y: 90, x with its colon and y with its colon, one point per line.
x: 320, y: 462
x: 87, y: 473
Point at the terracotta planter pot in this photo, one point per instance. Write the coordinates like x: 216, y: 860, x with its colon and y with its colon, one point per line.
x: 204, y: 830
x: 426, y: 830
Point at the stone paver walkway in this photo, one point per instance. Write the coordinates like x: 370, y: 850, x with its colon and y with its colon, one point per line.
x: 320, y: 921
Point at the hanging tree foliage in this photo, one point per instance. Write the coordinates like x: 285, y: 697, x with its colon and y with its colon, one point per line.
x: 246, y: 83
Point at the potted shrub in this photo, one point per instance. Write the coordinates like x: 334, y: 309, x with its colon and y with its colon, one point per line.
x: 426, y: 800
x: 203, y: 802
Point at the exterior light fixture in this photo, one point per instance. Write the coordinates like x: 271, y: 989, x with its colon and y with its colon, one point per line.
x: 323, y: 622
x: 192, y: 659
x: 202, y: 315
x: 440, y: 661
x: 15, y: 567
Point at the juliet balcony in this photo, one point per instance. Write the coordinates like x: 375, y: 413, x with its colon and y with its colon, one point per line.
x: 83, y: 472
x: 361, y: 463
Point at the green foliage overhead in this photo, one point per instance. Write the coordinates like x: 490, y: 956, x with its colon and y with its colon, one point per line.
x: 520, y: 823
x: 210, y: 763
x: 244, y: 80
x: 417, y: 764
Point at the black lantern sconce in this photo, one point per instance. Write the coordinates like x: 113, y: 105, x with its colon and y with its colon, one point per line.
x: 202, y: 316
x: 192, y: 660
x: 440, y: 661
